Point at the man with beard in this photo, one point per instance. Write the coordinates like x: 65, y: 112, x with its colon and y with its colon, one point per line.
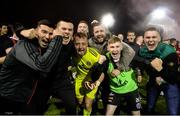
x: 99, y: 40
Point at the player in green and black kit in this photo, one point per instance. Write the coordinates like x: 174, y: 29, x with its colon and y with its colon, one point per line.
x: 121, y: 79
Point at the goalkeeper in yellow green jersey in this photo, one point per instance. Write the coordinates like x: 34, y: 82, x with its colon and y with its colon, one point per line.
x: 85, y: 59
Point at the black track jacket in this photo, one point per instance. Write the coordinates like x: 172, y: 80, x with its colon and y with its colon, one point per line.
x: 20, y: 71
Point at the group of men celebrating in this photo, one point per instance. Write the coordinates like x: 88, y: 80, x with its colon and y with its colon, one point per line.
x: 38, y: 67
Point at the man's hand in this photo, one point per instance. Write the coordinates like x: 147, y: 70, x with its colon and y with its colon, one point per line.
x: 91, y: 86
x: 88, y: 85
x: 102, y: 59
x: 157, y: 64
x: 159, y: 80
x: 115, y: 72
x: 29, y: 33
x: 56, y: 32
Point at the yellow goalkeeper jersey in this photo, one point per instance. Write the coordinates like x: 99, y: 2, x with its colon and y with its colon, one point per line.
x: 85, y: 63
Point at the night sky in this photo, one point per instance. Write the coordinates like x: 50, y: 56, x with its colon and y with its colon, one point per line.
x: 128, y: 14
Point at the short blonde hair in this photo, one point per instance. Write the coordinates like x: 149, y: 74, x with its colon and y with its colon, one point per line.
x: 114, y: 39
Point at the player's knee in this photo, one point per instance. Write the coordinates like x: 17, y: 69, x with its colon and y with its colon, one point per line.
x: 88, y: 107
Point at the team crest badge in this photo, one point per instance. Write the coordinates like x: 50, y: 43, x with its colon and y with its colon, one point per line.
x: 88, y: 63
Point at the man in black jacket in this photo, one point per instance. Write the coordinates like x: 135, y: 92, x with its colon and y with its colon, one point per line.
x: 162, y: 70
x: 57, y: 82
x: 20, y: 72
x: 62, y: 86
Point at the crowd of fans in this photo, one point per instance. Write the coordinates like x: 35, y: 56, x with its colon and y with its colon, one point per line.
x: 71, y: 64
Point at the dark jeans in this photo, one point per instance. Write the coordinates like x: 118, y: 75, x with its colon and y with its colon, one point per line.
x: 64, y: 89
x: 38, y: 104
x: 171, y: 94
x: 68, y: 98
x: 65, y: 93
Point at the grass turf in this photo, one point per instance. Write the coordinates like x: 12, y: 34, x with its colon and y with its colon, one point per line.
x: 56, y: 107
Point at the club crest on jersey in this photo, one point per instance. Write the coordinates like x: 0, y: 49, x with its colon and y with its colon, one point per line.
x: 88, y: 63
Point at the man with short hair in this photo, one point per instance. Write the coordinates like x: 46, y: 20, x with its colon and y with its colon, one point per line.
x: 84, y: 61
x: 83, y: 27
x: 5, y: 42
x: 131, y: 36
x: 62, y: 85
x: 121, y: 79
x: 58, y: 82
x: 20, y: 72
x: 99, y: 39
x: 162, y: 68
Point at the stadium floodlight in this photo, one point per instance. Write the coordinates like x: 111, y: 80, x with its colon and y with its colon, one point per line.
x: 159, y: 13
x: 108, y: 20
x: 160, y: 18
